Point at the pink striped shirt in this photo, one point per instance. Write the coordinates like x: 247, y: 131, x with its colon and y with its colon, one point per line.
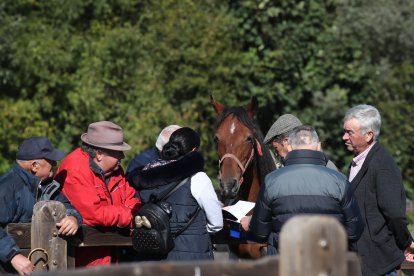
x: 357, y: 162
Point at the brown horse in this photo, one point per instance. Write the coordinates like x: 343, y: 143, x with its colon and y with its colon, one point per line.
x: 243, y: 159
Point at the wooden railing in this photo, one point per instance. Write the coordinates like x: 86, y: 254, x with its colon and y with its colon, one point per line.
x: 310, y: 245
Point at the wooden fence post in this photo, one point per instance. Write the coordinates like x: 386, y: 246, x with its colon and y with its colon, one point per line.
x: 49, y: 251
x: 313, y: 245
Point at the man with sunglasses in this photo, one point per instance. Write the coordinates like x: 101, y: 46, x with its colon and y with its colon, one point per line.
x: 27, y: 182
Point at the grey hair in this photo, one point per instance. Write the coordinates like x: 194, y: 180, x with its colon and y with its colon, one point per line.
x: 90, y: 150
x: 368, y: 117
x: 281, y: 137
x: 164, y: 136
x: 303, y: 136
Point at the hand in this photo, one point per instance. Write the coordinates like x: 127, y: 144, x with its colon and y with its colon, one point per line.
x: 68, y: 226
x: 244, y: 222
x: 409, y: 253
x: 22, y: 264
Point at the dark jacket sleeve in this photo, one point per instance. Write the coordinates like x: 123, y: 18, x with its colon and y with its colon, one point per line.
x: 70, y: 210
x: 392, y: 202
x: 8, y: 247
x: 353, y: 221
x: 261, y: 221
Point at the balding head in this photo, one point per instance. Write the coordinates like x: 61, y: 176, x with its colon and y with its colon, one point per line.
x: 304, y: 137
x: 164, y: 136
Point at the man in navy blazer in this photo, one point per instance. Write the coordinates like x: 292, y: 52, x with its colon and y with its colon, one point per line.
x: 377, y: 184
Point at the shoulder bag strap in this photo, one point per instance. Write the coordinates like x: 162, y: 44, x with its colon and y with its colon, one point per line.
x: 192, y: 218
x: 175, y: 188
x: 188, y: 223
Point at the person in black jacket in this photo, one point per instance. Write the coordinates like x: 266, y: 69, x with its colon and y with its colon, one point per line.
x: 148, y: 155
x: 377, y: 184
x: 181, y: 160
x: 24, y: 185
x: 303, y: 186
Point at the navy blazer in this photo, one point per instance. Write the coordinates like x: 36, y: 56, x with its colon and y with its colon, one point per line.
x: 379, y: 190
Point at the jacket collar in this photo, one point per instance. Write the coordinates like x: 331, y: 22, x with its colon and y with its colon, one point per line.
x: 357, y: 179
x: 305, y: 156
x: 184, y: 167
x: 30, y: 180
x: 109, y: 180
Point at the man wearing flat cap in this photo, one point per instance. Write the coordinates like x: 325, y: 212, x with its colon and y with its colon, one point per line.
x: 20, y: 188
x: 278, y: 136
x: 94, y: 182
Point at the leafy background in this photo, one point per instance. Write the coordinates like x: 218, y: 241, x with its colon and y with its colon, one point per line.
x: 145, y: 64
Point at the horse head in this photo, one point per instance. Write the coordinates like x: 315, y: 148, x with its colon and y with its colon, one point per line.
x: 239, y: 142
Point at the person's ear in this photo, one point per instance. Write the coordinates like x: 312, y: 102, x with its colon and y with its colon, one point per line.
x: 99, y: 155
x: 369, y: 136
x: 34, y: 166
x: 318, y: 147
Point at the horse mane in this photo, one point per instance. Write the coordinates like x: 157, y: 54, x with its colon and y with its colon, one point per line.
x: 266, y: 163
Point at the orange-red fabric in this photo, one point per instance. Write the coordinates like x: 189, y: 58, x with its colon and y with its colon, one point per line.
x: 99, y: 204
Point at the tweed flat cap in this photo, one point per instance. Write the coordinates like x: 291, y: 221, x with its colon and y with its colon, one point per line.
x: 284, y: 124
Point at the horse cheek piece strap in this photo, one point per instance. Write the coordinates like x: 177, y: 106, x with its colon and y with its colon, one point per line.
x: 242, y: 168
x: 259, y: 148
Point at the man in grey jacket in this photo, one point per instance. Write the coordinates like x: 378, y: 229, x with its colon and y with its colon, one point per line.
x: 303, y: 186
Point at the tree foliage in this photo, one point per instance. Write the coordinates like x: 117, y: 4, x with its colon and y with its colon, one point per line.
x: 147, y: 64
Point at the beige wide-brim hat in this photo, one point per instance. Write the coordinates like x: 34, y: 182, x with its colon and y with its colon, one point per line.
x: 105, y: 135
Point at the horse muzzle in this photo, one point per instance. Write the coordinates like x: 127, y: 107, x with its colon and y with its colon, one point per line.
x: 229, y: 189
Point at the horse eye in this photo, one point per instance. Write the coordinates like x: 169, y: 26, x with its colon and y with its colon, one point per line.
x: 215, y: 139
x: 249, y: 138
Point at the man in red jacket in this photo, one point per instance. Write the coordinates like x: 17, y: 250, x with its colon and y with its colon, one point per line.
x: 95, y: 184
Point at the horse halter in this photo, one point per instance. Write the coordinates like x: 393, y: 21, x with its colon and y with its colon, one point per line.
x: 234, y: 157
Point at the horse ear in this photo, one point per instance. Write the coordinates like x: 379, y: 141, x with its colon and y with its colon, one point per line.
x: 218, y: 107
x: 252, y: 107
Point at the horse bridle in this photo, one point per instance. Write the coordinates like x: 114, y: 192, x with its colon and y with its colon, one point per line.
x: 234, y: 157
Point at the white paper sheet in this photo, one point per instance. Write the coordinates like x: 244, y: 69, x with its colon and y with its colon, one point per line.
x: 240, y: 209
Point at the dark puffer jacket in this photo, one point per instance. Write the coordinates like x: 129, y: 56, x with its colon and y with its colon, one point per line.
x: 304, y: 186
x: 19, y: 192
x: 140, y: 160
x: 194, y: 243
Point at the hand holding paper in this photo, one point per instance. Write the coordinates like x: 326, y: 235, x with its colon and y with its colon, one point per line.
x: 245, y: 222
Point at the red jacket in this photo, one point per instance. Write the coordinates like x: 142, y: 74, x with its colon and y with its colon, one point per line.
x: 99, y: 204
